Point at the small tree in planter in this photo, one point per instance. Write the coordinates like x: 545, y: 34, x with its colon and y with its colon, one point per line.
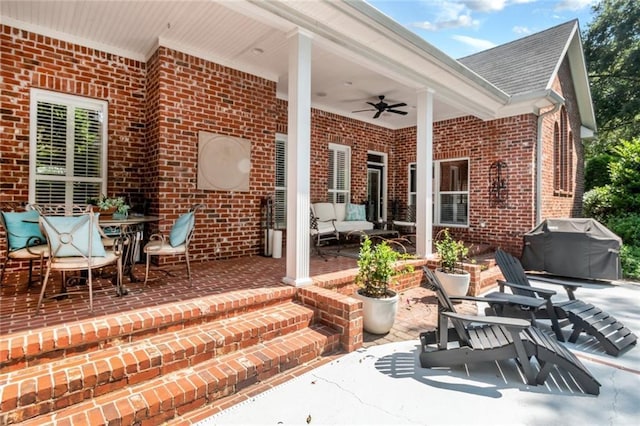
x: 454, y: 279
x: 376, y: 269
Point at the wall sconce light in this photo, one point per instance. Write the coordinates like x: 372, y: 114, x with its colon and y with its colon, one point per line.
x: 498, y: 184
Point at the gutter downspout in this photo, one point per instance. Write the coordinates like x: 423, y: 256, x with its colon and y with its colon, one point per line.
x: 557, y: 101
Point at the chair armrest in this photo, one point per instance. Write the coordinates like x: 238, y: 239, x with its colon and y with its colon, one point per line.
x: 505, y: 321
x: 568, y: 287
x: 155, y: 237
x: 544, y: 292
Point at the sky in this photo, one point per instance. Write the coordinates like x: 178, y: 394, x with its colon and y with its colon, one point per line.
x: 462, y: 27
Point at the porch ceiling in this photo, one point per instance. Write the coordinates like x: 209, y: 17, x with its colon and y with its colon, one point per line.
x: 354, y: 58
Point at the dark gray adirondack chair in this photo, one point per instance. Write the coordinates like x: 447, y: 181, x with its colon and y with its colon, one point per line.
x: 584, y: 317
x: 494, y: 339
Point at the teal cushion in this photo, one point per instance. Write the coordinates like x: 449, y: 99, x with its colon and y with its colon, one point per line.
x: 181, y: 229
x: 69, y: 236
x: 20, y: 227
x: 356, y: 212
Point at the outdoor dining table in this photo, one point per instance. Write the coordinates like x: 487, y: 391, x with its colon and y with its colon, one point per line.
x: 132, y: 227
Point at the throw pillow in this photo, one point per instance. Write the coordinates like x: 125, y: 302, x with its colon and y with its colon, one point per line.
x: 21, y: 226
x: 181, y: 229
x: 69, y: 236
x: 356, y: 212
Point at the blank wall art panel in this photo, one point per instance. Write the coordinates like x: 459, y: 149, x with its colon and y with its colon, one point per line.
x: 224, y: 162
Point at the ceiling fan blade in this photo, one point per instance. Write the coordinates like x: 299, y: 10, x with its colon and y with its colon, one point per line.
x: 372, y: 104
x: 361, y: 110
x: 401, y: 104
x: 377, y: 114
x: 397, y: 112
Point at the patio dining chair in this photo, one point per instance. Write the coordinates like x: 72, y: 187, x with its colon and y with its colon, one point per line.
x: 75, y: 244
x: 174, y: 244
x: 24, y: 240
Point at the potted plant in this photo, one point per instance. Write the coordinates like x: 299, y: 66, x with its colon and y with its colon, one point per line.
x: 454, y: 279
x: 376, y: 270
x: 109, y: 205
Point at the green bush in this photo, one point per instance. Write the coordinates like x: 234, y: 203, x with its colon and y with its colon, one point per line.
x: 630, y: 259
x: 627, y: 227
x: 596, y: 171
x: 598, y: 203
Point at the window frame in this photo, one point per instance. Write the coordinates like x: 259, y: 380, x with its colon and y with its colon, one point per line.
x: 436, y: 195
x: 333, y: 193
x: 70, y: 102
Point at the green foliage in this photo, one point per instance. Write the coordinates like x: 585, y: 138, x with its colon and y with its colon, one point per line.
x: 596, y: 171
x: 377, y: 267
x: 612, y: 53
x: 627, y: 227
x: 105, y: 203
x: 630, y: 259
x: 598, y: 203
x: 451, y: 252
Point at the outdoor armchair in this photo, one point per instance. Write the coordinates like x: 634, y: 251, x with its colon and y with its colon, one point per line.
x: 174, y: 244
x: 75, y: 244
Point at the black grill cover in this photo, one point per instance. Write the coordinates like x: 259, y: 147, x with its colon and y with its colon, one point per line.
x: 579, y: 248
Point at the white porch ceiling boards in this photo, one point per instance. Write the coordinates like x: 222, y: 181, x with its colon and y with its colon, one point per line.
x: 352, y: 43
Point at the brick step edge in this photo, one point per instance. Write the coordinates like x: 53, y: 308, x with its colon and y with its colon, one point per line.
x: 166, y: 397
x: 19, y: 350
x: 43, y: 388
x: 209, y: 410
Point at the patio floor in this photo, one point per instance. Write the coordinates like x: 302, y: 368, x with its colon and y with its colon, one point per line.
x: 18, y: 304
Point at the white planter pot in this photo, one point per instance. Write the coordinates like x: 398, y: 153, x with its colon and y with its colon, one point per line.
x: 378, y: 314
x: 454, y: 284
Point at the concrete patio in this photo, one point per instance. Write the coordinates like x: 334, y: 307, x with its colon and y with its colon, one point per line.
x: 384, y: 384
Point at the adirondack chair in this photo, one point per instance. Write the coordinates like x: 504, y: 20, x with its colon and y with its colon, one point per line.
x: 584, y: 317
x: 495, y: 339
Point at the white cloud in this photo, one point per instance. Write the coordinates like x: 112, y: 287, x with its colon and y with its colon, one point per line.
x: 485, y: 5
x: 462, y: 21
x: 521, y: 30
x: 573, y: 4
x: 450, y: 15
x: 476, y: 43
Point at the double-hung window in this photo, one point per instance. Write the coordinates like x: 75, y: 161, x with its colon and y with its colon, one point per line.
x: 339, y: 173
x: 280, y: 202
x: 450, y: 191
x: 68, y: 148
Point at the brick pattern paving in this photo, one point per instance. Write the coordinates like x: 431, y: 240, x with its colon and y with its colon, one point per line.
x: 150, y: 364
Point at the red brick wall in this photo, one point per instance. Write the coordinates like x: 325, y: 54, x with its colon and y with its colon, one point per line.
x: 198, y: 95
x: 555, y: 203
x: 509, y: 139
x: 329, y: 128
x: 33, y: 61
x: 156, y: 110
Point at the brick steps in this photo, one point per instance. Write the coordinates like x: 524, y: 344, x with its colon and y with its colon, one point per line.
x: 165, y: 397
x: 25, y: 349
x: 156, y: 373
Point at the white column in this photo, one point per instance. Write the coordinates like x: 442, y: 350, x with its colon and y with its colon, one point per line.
x: 298, y: 160
x: 424, y: 180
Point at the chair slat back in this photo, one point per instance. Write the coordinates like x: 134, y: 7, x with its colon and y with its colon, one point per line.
x: 513, y: 272
x: 445, y: 305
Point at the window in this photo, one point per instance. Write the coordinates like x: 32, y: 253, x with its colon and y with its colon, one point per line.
x: 280, y: 202
x: 562, y: 156
x: 450, y: 191
x: 68, y: 148
x: 339, y: 173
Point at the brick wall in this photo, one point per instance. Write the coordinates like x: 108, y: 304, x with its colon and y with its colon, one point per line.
x: 555, y: 203
x: 197, y: 95
x: 157, y: 108
x: 509, y: 139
